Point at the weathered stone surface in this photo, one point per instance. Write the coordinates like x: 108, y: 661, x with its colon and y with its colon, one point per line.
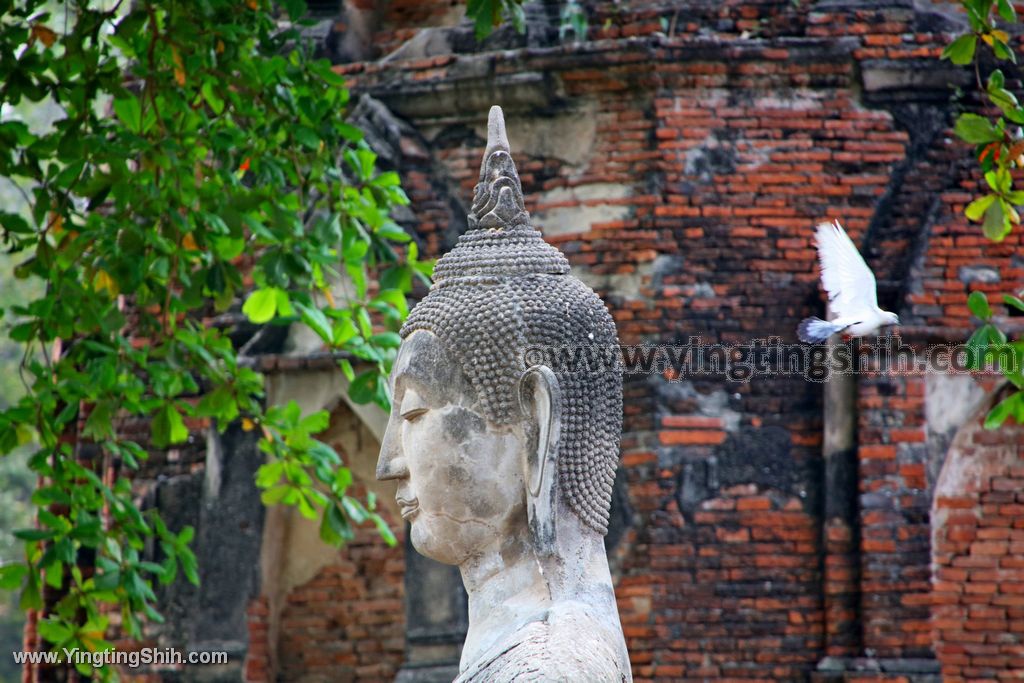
x: 224, y: 507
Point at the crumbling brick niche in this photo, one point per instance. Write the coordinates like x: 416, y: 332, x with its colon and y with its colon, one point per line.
x: 327, y: 614
x: 978, y: 553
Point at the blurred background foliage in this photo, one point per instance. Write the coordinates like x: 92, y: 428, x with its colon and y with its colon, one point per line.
x: 16, y: 479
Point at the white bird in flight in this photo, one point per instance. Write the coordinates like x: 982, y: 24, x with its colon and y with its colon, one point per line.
x: 850, y: 285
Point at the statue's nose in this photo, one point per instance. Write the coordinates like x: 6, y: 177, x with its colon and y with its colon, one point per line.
x: 391, y: 464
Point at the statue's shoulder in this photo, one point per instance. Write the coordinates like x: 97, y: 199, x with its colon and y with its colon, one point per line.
x: 570, y: 644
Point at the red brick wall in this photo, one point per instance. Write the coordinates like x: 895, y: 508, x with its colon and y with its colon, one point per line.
x: 346, y: 623
x: 978, y: 554
x: 730, y: 150
x: 349, y: 618
x: 729, y: 594
x: 402, y: 19
x: 894, y: 520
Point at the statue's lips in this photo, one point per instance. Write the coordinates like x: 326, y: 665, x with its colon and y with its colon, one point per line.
x: 408, y: 507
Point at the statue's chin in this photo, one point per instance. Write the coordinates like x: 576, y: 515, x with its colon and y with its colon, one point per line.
x: 430, y: 545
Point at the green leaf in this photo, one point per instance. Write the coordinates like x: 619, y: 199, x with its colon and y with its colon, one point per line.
x: 152, y: 614
x: 179, y: 432
x: 34, y: 534
x: 978, y: 303
x: 1013, y: 367
x: 365, y: 322
x: 384, y: 530
x: 1014, y: 301
x: 1006, y: 11
x: 54, y: 631
x: 327, y: 533
x: 387, y: 179
x: 11, y: 576
x: 485, y: 15
x: 344, y: 330
x: 976, y: 129
x: 1000, y: 96
x: 261, y: 305
x: 108, y: 580
x: 24, y: 434
x: 976, y: 347
x: 977, y: 13
x: 54, y: 574
x: 276, y: 494
x: 55, y: 522
x: 976, y: 209
x: 338, y: 529
x: 961, y: 50
x: 996, y: 225
x: 395, y: 298
x: 992, y: 179
x: 346, y: 369
x: 354, y: 510
x: 315, y: 422
x: 189, y: 566
x: 342, y: 480
x: 364, y: 386
x: 129, y: 111
x: 305, y: 508
x: 317, y: 321
x: 349, y: 132
x: 100, y: 424
x: 1003, y: 51
x: 269, y: 474
x: 12, y: 222
x: 1013, y: 405
x: 168, y: 427
x: 513, y: 9
x: 284, y: 304
x: 394, y: 232
x: 387, y: 340
x: 113, y: 548
x: 228, y: 248
x: 306, y: 137
x: 31, y: 598
x: 212, y: 98
x: 296, y: 9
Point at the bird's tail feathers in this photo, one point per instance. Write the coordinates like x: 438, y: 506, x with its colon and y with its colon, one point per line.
x: 816, y: 330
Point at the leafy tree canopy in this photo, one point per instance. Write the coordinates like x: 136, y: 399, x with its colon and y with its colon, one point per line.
x: 200, y: 158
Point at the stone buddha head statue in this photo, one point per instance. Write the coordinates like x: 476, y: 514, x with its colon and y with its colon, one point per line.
x: 503, y: 468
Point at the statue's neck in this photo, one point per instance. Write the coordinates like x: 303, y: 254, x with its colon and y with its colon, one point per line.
x: 506, y: 590
x: 578, y: 570
x: 509, y: 586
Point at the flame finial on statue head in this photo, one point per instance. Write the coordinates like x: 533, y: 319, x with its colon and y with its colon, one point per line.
x: 498, y: 198
x: 497, y: 138
x: 500, y: 241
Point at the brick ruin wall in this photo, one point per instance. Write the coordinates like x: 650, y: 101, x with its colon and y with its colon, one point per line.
x: 977, y: 599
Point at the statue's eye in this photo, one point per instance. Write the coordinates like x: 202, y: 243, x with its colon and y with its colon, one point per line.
x: 413, y: 415
x: 413, y: 406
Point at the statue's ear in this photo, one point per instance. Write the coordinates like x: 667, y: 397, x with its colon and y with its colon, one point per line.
x: 541, y: 401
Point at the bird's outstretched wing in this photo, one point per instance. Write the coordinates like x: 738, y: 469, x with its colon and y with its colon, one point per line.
x: 844, y: 274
